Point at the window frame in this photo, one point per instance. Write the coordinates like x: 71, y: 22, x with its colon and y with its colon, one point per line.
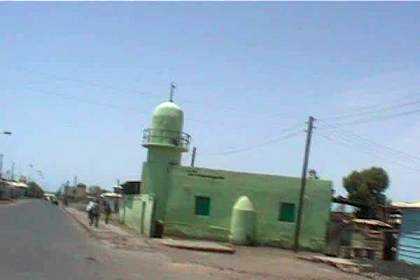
x: 198, y: 210
x: 283, y: 212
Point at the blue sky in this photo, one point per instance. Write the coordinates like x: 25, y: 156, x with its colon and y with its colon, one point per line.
x: 78, y: 83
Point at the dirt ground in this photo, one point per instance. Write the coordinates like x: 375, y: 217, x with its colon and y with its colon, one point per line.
x: 134, y: 257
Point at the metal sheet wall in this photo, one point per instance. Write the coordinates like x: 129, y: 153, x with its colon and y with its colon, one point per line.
x: 409, y: 242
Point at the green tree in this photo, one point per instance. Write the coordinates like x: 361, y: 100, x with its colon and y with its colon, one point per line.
x: 34, y: 190
x: 59, y: 193
x: 367, y: 187
x: 313, y: 174
x: 81, y: 185
x: 95, y: 190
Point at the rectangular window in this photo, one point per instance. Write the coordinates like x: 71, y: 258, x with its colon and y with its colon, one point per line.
x: 287, y: 212
x: 202, y: 205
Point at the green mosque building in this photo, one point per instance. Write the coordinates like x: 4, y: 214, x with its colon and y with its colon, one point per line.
x: 202, y: 203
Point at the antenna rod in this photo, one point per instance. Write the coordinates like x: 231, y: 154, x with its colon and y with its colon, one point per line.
x: 171, y: 93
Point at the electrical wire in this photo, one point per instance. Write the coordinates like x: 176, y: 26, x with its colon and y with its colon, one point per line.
x: 382, y: 110
x: 81, y: 100
x: 257, y: 146
x: 338, y: 139
x: 55, y: 77
x: 378, y: 118
x: 405, y: 155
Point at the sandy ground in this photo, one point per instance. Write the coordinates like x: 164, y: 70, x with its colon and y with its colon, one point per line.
x: 150, y: 259
x: 39, y: 240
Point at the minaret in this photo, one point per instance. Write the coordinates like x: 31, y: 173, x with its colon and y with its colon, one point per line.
x: 165, y: 142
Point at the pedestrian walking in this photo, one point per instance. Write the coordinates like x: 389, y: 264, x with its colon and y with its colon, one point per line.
x: 116, y: 206
x: 93, y: 212
x: 107, y: 211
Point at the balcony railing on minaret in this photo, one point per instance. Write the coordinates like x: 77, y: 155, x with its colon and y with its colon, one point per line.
x: 166, y: 138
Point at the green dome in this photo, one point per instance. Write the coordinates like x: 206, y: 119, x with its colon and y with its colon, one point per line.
x: 168, y: 116
x: 243, y: 203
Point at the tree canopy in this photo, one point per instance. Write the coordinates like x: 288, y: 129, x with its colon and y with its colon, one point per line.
x: 81, y: 185
x: 34, y: 190
x: 95, y: 190
x: 367, y: 187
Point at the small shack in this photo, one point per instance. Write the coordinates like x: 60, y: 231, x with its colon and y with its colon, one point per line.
x: 409, y: 240
x: 114, y: 200
x: 12, y: 189
x: 130, y: 187
x: 358, y: 238
x: 368, y: 238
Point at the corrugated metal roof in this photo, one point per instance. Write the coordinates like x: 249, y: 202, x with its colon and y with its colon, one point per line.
x: 371, y: 222
x: 110, y: 194
x: 20, y: 185
x: 406, y: 204
x: 15, y: 184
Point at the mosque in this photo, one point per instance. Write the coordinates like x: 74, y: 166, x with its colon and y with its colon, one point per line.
x: 221, y: 205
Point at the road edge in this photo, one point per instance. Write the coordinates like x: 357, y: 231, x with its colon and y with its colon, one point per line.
x: 84, y: 226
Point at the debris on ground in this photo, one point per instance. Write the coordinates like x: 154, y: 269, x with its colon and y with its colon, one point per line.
x: 345, y: 265
x: 197, y: 245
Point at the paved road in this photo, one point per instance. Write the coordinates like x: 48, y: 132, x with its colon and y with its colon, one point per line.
x: 40, y: 241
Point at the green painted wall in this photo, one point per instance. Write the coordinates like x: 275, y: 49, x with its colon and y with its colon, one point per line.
x: 169, y: 192
x: 131, y: 214
x: 266, y: 192
x: 164, y: 152
x: 156, y: 183
x: 137, y: 213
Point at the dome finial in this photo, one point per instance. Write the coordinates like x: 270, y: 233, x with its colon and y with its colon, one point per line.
x: 171, y: 92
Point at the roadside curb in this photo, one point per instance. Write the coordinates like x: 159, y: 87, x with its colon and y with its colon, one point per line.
x: 87, y: 228
x: 344, y: 265
x: 205, y: 246
x: 7, y: 202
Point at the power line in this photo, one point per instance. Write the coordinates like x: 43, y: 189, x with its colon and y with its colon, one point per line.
x: 393, y: 150
x: 56, y: 77
x: 257, y: 146
x: 379, y: 118
x: 373, y: 148
x: 81, y: 100
x: 377, y: 107
x: 349, y: 144
x: 119, y: 90
x: 382, y: 110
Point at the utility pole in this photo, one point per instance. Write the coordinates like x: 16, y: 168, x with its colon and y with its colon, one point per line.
x: 13, y: 171
x: 303, y: 181
x: 193, y: 156
x: 1, y: 165
x: 1, y: 155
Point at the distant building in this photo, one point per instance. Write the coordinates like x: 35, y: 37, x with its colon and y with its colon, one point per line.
x: 75, y: 193
x: 202, y: 203
x: 350, y: 237
x: 114, y: 200
x: 12, y: 189
x: 409, y: 240
x: 129, y: 187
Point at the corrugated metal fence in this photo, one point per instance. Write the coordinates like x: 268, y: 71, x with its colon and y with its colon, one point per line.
x: 409, y: 242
